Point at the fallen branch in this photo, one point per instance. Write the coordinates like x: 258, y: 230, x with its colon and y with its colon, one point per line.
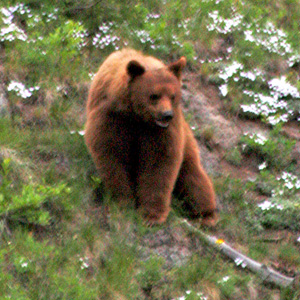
x: 265, y: 273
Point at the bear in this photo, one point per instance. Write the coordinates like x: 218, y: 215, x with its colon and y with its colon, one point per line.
x: 142, y: 147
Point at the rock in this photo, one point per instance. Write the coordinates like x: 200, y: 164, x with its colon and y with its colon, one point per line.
x: 3, y: 101
x: 3, y: 94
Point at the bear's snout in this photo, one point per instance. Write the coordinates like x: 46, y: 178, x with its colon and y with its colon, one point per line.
x: 164, y: 118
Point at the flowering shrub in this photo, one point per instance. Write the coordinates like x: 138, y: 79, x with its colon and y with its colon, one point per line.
x: 282, y: 209
x: 242, y: 68
x: 289, y: 184
x: 20, y: 89
x: 10, y: 31
x: 221, y: 25
x: 275, y: 151
x: 272, y: 107
x: 42, y: 49
x: 268, y: 37
x: 106, y: 37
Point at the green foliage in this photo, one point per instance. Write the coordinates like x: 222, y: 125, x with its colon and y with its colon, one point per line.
x: 234, y: 156
x: 54, y: 56
x: 281, y: 210
x: 276, y: 150
x: 289, y: 254
x: 233, y: 192
x: 197, y: 270
x: 29, y: 206
x: 279, y: 213
x: 118, y: 272
x: 151, y: 273
x: 34, y: 264
x: 229, y: 283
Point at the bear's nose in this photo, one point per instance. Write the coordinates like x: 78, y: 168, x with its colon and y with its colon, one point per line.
x: 167, y: 116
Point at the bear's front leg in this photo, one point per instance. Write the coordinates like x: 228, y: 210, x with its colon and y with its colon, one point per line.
x: 116, y: 180
x: 154, y: 192
x: 108, y: 140
x: 194, y: 186
x: 159, y: 164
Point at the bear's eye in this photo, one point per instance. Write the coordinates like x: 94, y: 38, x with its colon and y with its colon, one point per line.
x: 154, y: 97
x: 173, y: 97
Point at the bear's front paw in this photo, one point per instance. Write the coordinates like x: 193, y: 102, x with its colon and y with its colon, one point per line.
x: 152, y: 221
x: 154, y: 217
x: 210, y: 219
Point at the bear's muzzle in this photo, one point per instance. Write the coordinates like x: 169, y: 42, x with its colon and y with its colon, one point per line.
x: 164, y: 118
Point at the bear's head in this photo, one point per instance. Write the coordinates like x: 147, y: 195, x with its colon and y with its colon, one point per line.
x: 155, y: 94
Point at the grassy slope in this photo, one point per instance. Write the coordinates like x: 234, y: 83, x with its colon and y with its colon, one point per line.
x: 56, y: 243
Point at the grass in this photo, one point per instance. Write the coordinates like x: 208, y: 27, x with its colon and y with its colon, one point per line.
x: 56, y: 241
x: 107, y: 256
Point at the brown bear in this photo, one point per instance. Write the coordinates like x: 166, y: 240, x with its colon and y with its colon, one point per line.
x: 141, y: 144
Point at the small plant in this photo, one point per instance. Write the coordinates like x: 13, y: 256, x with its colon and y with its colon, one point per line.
x: 289, y: 254
x: 234, y: 156
x: 229, y: 284
x: 191, y: 295
x: 208, y: 132
x: 29, y: 205
x: 151, y: 273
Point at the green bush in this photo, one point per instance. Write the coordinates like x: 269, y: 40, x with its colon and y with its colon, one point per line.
x: 29, y: 205
x: 276, y: 150
x: 278, y: 213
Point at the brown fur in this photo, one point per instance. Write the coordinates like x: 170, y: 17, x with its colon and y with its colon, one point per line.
x: 140, y: 155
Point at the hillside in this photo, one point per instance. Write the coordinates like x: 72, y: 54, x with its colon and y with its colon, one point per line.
x: 61, y: 237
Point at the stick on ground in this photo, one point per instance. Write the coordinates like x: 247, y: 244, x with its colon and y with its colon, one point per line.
x: 264, y: 272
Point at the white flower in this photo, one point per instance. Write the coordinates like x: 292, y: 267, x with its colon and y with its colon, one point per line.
x: 81, y: 132
x: 249, y: 36
x: 84, y: 262
x: 21, y: 90
x: 92, y: 75
x: 262, y: 166
x: 281, y: 87
x: 271, y: 106
x: 224, y: 279
x: 270, y: 38
x: 289, y: 185
x: 260, y: 139
x: 222, y: 25
x: 241, y: 262
x: 230, y: 70
x: 224, y: 89
x: 248, y: 75
x: 23, y: 262
x: 266, y: 205
x: 12, y: 32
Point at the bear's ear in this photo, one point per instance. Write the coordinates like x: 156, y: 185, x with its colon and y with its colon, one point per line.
x: 177, y: 67
x: 134, y: 69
